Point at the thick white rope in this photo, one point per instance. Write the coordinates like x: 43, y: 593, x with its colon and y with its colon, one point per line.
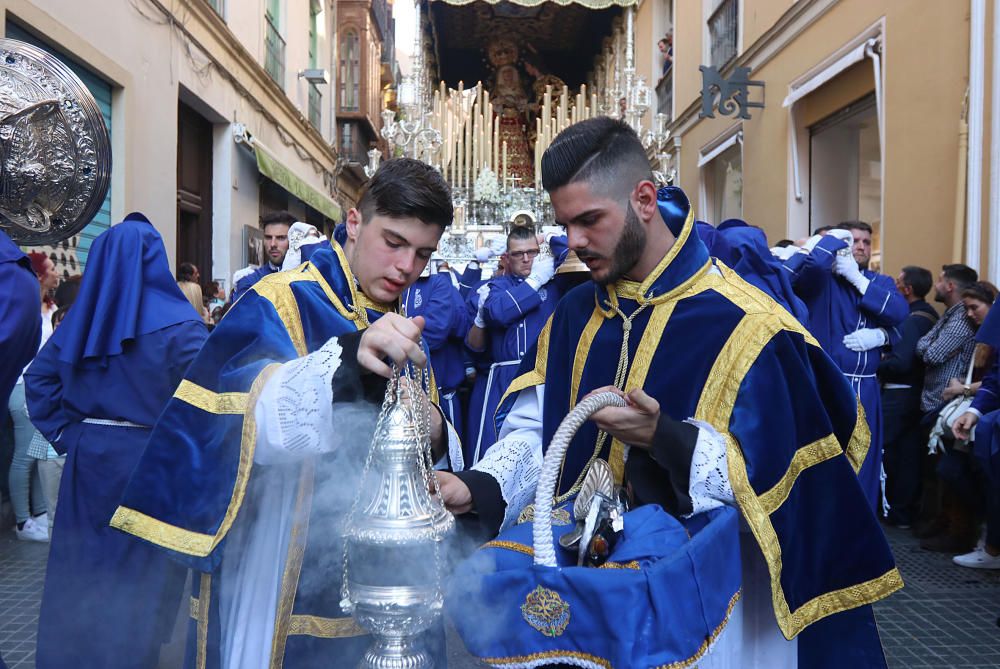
x: 545, y: 553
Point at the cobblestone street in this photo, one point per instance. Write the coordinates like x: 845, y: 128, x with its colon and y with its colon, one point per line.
x: 945, y: 616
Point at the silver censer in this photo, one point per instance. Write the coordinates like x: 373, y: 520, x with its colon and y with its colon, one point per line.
x: 392, y: 581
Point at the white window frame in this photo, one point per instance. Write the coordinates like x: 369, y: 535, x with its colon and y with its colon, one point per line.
x: 730, y: 137
x: 854, y: 51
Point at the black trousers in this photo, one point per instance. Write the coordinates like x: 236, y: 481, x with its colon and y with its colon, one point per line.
x: 904, y: 445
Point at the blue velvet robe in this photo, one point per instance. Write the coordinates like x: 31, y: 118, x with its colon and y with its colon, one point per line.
x: 247, y: 282
x: 20, y: 314
x: 109, y: 601
x: 837, y: 309
x: 446, y: 324
x: 707, y: 345
x: 196, y: 478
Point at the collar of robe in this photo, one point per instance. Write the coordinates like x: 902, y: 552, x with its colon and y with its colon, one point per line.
x: 685, y: 262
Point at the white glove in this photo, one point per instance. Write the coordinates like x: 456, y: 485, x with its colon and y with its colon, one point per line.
x: 784, y: 252
x: 542, y: 271
x: 842, y: 235
x: 483, y: 254
x: 811, y: 243
x: 865, y: 339
x: 483, y: 292
x: 847, y: 267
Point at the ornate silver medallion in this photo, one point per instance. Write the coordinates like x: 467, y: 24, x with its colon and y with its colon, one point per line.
x: 55, y: 153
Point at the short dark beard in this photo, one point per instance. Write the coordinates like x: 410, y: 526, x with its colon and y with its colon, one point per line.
x: 629, y: 248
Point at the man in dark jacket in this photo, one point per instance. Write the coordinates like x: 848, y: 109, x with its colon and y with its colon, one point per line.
x: 902, y: 373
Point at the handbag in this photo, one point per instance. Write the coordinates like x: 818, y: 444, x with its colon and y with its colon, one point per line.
x: 947, y: 416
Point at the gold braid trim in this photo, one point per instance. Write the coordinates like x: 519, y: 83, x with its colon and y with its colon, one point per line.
x: 818, y: 451
x: 210, y: 401
x: 204, y: 595
x: 277, y: 289
x: 293, y: 563
x: 715, y: 407
x: 186, y: 541
x: 707, y: 643
x: 861, y: 439
x: 536, y: 376
x: 510, y: 546
x: 549, y: 655
x: 325, y: 628
x: 634, y: 564
x: 597, y: 318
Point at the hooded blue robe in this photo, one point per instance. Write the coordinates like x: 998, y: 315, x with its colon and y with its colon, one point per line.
x: 197, y: 484
x: 707, y: 345
x: 93, y: 391
x: 20, y: 314
x: 836, y: 309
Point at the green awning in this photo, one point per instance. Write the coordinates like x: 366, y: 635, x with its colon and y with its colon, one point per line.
x: 280, y: 174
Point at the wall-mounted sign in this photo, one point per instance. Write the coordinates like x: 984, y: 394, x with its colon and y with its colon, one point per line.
x: 729, y: 96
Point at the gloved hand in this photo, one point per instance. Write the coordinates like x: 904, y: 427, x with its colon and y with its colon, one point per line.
x: 483, y: 254
x: 842, y: 235
x: 483, y: 292
x: 784, y: 252
x: 542, y: 270
x: 847, y: 267
x: 811, y: 243
x: 865, y: 339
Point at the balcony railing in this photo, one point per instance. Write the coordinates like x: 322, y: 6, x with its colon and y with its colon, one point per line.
x: 665, y: 95
x: 315, y: 106
x: 274, y: 51
x: 723, y: 25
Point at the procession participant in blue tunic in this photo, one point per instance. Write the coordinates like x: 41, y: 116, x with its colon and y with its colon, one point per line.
x: 20, y: 314
x: 252, y: 466
x: 513, y: 309
x: 445, y: 323
x: 473, y: 272
x: 731, y: 401
x: 854, y: 313
x: 94, y: 391
x: 275, y: 227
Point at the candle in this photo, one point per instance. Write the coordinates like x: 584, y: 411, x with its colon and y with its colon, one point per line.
x: 504, y: 173
x: 496, y: 145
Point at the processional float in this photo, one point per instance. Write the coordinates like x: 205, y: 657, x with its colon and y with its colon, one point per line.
x: 55, y: 153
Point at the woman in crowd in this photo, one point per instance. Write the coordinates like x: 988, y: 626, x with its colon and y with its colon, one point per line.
x: 26, y: 491
x: 93, y: 392
x: 983, y: 415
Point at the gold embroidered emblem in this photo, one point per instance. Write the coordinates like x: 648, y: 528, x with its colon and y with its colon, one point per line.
x: 559, y: 516
x: 546, y: 611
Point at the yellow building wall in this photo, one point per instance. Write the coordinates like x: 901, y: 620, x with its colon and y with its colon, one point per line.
x: 925, y: 71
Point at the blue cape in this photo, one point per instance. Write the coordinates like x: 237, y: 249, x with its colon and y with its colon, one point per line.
x: 127, y: 291
x: 989, y: 331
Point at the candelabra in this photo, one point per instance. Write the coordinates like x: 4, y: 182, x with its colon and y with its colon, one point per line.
x: 656, y: 140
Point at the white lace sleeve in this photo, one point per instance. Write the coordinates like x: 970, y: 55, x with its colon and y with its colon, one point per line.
x: 515, y: 461
x: 709, y: 482
x: 295, y: 409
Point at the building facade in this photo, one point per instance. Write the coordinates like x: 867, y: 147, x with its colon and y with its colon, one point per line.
x: 873, y: 109
x: 218, y: 110
x: 366, y: 80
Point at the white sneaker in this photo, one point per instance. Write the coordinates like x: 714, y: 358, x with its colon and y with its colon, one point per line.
x: 977, y: 559
x: 33, y: 531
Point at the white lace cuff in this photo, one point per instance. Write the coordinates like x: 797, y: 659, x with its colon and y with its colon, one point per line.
x: 295, y: 412
x: 516, y: 464
x: 516, y: 460
x: 709, y: 481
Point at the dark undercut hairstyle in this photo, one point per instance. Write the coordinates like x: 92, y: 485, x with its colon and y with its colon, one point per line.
x: 855, y: 225
x: 519, y: 232
x: 404, y: 188
x: 961, y: 275
x: 283, y: 217
x: 601, y: 151
x: 918, y: 279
